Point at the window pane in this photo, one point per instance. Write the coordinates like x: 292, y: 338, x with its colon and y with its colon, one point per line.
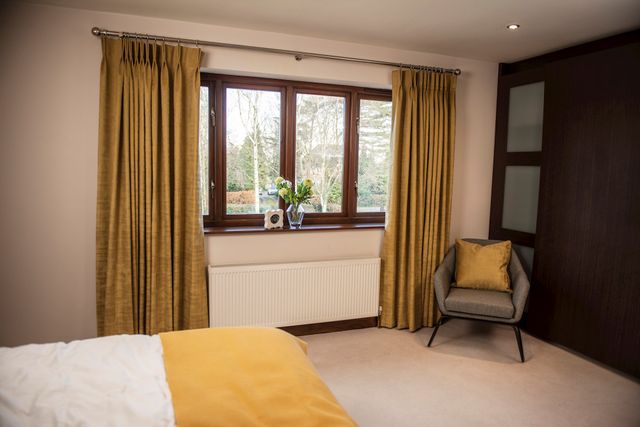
x: 203, y: 148
x: 374, y: 155
x: 253, y: 150
x: 320, y: 149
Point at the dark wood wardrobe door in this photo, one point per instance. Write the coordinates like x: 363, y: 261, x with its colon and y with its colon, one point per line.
x: 586, y: 278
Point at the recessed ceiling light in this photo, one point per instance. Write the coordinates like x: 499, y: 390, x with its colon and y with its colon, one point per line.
x: 513, y: 27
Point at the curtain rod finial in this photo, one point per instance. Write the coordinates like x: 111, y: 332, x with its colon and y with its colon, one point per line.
x: 95, y: 31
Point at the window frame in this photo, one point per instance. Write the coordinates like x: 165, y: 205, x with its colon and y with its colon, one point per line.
x: 374, y: 216
x: 218, y: 83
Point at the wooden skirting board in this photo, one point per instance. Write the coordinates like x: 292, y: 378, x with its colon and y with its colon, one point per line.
x: 340, y: 325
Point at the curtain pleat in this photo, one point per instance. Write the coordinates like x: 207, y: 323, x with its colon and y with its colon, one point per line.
x: 150, y: 266
x: 418, y: 222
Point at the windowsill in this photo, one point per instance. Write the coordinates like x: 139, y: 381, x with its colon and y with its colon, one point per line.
x: 304, y: 228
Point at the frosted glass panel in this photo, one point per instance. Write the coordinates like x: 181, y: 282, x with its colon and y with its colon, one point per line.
x: 525, y: 117
x: 520, y: 206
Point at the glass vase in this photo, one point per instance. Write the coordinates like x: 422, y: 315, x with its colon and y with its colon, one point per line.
x: 295, y: 213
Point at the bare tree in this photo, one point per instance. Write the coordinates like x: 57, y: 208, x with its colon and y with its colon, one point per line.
x: 248, y: 112
x: 320, y: 146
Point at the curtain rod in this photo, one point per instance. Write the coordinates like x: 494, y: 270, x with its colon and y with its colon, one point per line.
x: 299, y: 56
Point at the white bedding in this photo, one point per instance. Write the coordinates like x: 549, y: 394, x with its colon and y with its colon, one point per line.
x: 110, y: 381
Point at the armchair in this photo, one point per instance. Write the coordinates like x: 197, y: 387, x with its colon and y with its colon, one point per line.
x: 485, y: 305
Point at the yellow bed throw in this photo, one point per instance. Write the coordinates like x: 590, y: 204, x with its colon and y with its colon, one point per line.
x: 246, y: 377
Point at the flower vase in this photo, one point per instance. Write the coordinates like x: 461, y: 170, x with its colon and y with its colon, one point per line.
x: 295, y: 213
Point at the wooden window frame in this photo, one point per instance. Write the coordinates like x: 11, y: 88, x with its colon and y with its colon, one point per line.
x: 218, y: 83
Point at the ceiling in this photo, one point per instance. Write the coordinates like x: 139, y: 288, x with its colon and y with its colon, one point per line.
x: 464, y: 28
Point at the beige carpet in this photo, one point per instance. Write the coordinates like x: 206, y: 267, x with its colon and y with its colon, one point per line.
x: 471, y: 376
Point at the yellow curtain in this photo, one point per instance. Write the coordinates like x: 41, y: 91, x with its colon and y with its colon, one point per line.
x: 417, y: 232
x: 150, y: 267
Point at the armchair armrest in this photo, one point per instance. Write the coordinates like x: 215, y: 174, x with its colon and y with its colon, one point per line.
x: 443, y: 277
x: 519, y: 284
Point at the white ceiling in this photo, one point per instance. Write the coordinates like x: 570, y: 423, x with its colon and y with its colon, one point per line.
x: 464, y: 28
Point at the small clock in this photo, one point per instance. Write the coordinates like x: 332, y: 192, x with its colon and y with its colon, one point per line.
x: 273, y: 219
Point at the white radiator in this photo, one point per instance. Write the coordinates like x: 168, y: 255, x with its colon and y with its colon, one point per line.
x: 293, y: 294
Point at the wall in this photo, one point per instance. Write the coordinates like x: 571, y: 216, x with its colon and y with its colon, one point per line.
x: 49, y: 116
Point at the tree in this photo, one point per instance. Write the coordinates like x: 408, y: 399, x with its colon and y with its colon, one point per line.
x: 320, y: 147
x: 374, y: 158
x: 253, y: 140
x: 203, y: 150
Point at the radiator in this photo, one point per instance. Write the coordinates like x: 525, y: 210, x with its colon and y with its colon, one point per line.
x: 293, y: 294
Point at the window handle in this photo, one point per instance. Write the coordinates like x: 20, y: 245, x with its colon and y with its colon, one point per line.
x: 212, y: 185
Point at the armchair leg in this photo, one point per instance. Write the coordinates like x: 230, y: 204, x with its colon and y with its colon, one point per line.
x: 516, y: 329
x: 441, y: 322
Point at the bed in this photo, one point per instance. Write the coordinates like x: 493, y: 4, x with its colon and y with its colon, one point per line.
x: 203, y: 377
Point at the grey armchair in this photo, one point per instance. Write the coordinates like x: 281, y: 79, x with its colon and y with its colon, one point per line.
x: 491, y: 306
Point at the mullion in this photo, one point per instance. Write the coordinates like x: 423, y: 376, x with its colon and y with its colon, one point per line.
x: 354, y: 141
x: 346, y: 161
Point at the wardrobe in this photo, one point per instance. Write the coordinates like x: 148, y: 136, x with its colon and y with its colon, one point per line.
x: 566, y: 191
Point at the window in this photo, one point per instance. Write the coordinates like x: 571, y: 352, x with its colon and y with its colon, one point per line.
x: 320, y: 126
x: 203, y: 151
x: 253, y: 130
x: 374, y: 155
x: 252, y: 150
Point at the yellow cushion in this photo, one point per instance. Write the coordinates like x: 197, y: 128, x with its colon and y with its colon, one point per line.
x: 483, y: 267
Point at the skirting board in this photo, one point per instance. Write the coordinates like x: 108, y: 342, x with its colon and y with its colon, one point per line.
x: 326, y: 327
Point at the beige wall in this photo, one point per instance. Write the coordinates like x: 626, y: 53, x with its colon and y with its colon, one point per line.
x: 49, y: 116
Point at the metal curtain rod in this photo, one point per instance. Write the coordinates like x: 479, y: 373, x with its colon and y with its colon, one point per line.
x: 299, y: 56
